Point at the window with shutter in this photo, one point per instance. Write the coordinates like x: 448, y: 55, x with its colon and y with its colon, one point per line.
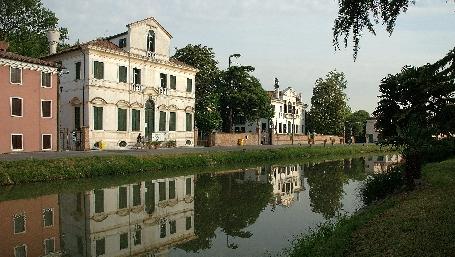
x: 122, y: 197
x: 188, y: 186
x: 16, y: 142
x: 189, y: 85
x: 138, y: 236
x: 173, y: 82
x: 122, y: 74
x: 45, y: 79
x: 150, y: 197
x: 123, y: 241
x: 16, y: 107
x: 99, y: 201
x: 47, y: 142
x: 163, y: 230
x: 121, y: 122
x: 172, y: 227
x: 20, y: 251
x: 136, y: 194
x: 188, y: 223
x: 136, y: 120
x: 172, y: 189
x: 137, y: 76
x: 49, y: 246
x: 77, y: 117
x: 97, y: 118
x: 78, y: 70
x: 162, y: 190
x: 162, y: 124
x: 19, y: 223
x: 100, y: 246
x: 172, y: 121
x: 98, y: 70
x: 15, y: 75
x: 46, y: 109
x: 189, y: 122
x: 163, y: 79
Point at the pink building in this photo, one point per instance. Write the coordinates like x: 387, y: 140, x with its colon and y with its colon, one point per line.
x: 28, y: 103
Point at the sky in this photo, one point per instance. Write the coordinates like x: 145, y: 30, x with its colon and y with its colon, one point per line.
x: 290, y: 40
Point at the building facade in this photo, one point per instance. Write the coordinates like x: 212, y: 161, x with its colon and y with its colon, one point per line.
x: 289, y: 115
x: 30, y: 227
x: 125, y: 85
x: 28, y: 103
x: 141, y: 219
x: 371, y: 133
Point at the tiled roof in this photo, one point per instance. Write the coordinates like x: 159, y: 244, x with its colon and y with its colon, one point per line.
x: 103, y: 43
x: 21, y: 58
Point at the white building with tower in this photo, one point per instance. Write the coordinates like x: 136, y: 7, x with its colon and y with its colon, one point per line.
x: 125, y: 85
x: 289, y: 114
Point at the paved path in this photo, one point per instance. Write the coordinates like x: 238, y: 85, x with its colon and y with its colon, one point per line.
x: 160, y: 151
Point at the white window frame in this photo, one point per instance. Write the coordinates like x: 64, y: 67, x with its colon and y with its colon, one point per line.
x: 25, y: 224
x: 26, y: 250
x: 41, y: 78
x: 22, y: 77
x: 52, y: 209
x: 44, y: 100
x: 11, y: 106
x: 42, y: 142
x: 12, y: 148
x: 44, y: 244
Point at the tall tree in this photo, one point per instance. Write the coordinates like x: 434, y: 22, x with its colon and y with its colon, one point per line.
x: 24, y: 24
x: 242, y: 97
x: 207, y: 116
x: 329, y: 108
x: 355, y: 16
x: 415, y: 105
x: 355, y: 124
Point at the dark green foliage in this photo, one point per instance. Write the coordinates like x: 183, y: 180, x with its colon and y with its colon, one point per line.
x: 24, y: 24
x: 379, y: 186
x: 355, y: 16
x: 207, y: 116
x: 329, y: 108
x: 242, y: 97
x: 414, y: 107
x: 355, y: 125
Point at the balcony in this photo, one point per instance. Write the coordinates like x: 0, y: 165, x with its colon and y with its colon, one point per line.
x: 136, y: 87
x: 164, y: 91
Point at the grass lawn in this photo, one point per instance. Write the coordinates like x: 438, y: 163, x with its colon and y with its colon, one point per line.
x: 418, y: 223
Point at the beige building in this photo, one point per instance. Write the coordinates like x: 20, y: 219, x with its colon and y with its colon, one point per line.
x: 142, y: 219
x: 125, y: 85
x: 371, y: 133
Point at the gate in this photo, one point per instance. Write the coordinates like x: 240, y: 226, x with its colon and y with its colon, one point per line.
x: 71, y: 140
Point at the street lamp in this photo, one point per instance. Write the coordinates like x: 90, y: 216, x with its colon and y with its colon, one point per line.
x: 230, y: 84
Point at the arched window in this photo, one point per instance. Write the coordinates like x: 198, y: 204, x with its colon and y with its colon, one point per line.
x: 289, y: 107
x: 151, y: 41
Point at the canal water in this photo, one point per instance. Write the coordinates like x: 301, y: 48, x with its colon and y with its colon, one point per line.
x: 248, y: 212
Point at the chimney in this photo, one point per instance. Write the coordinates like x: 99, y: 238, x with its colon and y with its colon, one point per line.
x: 53, y: 37
x: 3, y: 46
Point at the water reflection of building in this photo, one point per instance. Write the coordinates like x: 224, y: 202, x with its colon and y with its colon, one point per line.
x: 141, y: 219
x: 30, y: 227
x: 287, y: 182
x: 380, y: 164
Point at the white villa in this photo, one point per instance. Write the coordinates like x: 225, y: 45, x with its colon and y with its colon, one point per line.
x: 127, y: 84
x: 289, y: 115
x: 142, y: 219
x: 288, y: 182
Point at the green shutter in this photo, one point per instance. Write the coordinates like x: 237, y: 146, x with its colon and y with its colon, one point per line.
x: 188, y: 186
x: 172, y: 189
x: 173, y: 82
x: 122, y: 115
x: 162, y: 121
x: 162, y: 190
x: 123, y: 241
x: 99, y: 201
x: 136, y: 120
x: 136, y: 194
x: 78, y: 70
x: 98, y: 118
x: 98, y: 70
x: 122, y: 74
x: 150, y: 197
x: 172, y: 121
x: 189, y: 85
x: 189, y: 122
x: 122, y: 197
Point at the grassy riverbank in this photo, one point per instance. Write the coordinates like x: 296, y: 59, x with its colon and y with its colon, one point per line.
x: 30, y: 171
x: 417, y: 223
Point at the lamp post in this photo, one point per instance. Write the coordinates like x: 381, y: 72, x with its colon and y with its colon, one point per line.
x: 230, y: 84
